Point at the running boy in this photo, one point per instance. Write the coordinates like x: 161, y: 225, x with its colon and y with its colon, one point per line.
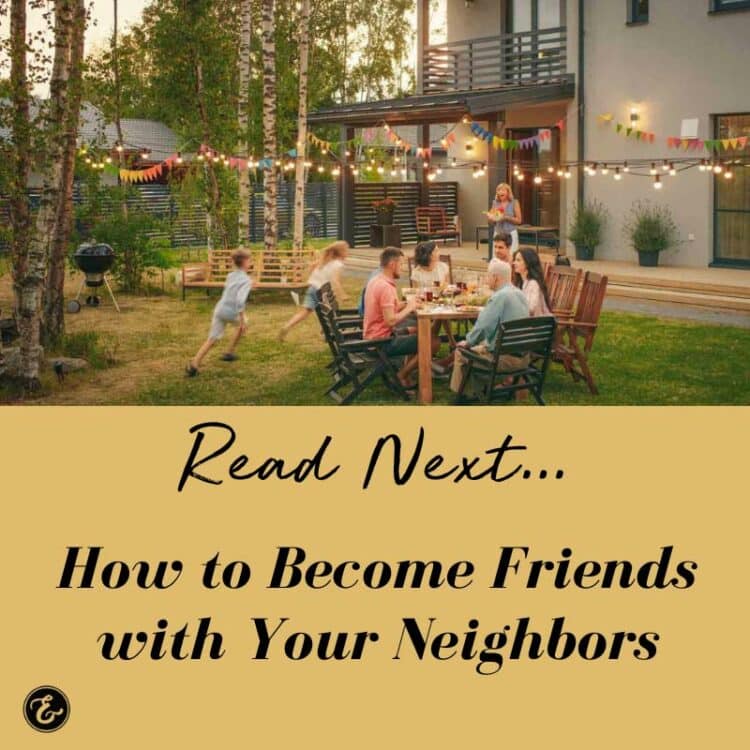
x: 230, y: 309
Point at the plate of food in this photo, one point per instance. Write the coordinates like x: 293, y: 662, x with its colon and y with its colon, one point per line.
x: 495, y: 214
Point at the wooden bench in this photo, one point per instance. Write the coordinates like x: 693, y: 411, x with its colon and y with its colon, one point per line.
x: 281, y: 269
x: 433, y: 224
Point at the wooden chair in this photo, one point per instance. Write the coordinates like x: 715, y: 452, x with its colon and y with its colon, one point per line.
x: 357, y: 362
x: 346, y: 318
x: 576, y: 334
x: 563, y: 283
x: 529, y: 341
x: 443, y: 259
x: 433, y: 224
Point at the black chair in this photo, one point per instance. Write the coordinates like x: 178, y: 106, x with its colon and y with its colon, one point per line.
x: 347, y: 318
x: 529, y: 341
x: 357, y: 362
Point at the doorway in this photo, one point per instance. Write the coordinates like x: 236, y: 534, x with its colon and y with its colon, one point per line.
x: 540, y: 204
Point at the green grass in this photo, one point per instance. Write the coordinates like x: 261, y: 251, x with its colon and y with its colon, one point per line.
x: 637, y: 359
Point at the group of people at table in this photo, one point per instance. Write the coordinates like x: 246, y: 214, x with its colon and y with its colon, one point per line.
x: 514, y: 280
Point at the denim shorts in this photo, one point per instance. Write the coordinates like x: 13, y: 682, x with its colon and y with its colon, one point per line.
x: 311, y: 301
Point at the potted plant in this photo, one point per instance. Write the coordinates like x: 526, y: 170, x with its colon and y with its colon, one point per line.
x: 586, y: 228
x: 650, y: 229
x: 384, y: 209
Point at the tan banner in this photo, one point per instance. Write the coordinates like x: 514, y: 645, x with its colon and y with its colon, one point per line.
x: 568, y: 578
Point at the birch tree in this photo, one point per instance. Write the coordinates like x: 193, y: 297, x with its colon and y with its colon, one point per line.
x: 243, y: 118
x: 54, y: 317
x: 32, y: 240
x: 301, y: 172
x: 270, y: 174
x: 28, y: 271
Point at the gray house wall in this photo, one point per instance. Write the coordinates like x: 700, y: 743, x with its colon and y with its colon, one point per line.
x: 685, y: 63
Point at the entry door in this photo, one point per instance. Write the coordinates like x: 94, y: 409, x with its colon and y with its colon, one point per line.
x: 732, y: 198
x: 540, y: 204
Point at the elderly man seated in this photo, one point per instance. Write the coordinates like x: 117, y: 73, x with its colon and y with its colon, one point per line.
x: 507, y: 303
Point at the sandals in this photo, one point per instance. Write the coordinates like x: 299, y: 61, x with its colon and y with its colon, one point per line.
x: 191, y: 371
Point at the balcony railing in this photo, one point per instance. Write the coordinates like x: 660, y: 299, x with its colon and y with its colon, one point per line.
x: 523, y: 58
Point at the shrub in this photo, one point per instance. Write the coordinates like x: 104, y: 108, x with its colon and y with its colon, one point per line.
x: 587, y: 224
x: 87, y: 345
x: 138, y: 253
x: 650, y: 228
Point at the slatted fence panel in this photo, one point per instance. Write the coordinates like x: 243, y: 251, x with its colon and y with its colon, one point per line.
x: 408, y: 198
x: 321, y: 210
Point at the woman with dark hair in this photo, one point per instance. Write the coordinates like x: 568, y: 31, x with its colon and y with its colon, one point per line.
x: 428, y: 268
x: 529, y: 277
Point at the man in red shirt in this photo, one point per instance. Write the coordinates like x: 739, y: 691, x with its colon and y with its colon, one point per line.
x: 384, y: 312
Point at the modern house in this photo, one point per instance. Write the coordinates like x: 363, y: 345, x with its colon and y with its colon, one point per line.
x: 582, y: 74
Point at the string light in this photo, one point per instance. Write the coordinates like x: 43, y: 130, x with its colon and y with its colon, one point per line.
x: 718, y: 169
x: 728, y: 174
x: 605, y: 170
x: 381, y: 168
x: 618, y: 176
x: 652, y: 171
x: 625, y: 167
x: 665, y: 166
x: 568, y: 174
x: 179, y: 159
x: 537, y: 179
x: 672, y: 170
x: 657, y: 183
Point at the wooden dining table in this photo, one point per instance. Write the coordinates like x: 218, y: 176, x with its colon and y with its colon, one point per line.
x: 426, y: 317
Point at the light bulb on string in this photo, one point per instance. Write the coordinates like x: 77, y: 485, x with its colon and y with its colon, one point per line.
x: 439, y: 170
x: 551, y: 169
x: 702, y: 166
x: 355, y: 171
x: 179, y: 158
x: 537, y: 179
x: 665, y: 166
x: 454, y: 162
x: 605, y: 170
x: 718, y: 169
x: 321, y: 169
x: 560, y: 173
x: 381, y: 168
x: 625, y: 167
x: 657, y: 183
x: 520, y: 177
x: 568, y: 174
x: 672, y: 170
x: 728, y: 174
x: 618, y: 176
x: 336, y: 171
x: 475, y: 172
x: 652, y: 171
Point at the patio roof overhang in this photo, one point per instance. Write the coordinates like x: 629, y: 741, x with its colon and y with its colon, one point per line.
x: 442, y: 108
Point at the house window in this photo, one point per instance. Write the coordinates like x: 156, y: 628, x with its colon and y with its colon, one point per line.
x: 637, y: 11
x: 732, y: 197
x: 717, y: 6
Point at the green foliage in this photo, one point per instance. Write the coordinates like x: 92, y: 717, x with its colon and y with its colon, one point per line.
x: 651, y: 228
x: 88, y: 345
x: 587, y: 224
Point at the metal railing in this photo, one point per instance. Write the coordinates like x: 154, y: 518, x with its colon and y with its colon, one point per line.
x: 522, y: 58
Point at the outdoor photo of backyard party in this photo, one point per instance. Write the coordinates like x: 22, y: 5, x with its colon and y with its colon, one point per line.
x: 410, y: 202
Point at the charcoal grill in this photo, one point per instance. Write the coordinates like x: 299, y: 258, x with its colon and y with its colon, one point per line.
x: 95, y: 260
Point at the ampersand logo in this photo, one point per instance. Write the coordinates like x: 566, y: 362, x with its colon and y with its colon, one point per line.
x: 46, y: 709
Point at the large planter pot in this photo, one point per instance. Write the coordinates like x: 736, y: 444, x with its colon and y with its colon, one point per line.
x: 648, y: 258
x: 583, y: 252
x: 385, y: 216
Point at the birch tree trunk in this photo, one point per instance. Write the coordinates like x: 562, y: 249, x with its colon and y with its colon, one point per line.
x: 301, y: 173
x: 214, y: 192
x: 30, y: 258
x: 54, y: 316
x: 20, y: 217
x: 116, y: 75
x: 270, y: 174
x: 243, y: 119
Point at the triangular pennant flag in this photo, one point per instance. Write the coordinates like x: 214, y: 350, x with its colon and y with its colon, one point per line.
x: 735, y: 142
x: 607, y: 117
x: 628, y: 132
x: 743, y: 141
x: 619, y: 127
x: 725, y: 143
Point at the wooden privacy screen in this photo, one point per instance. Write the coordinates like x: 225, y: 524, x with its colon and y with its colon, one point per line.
x: 408, y: 198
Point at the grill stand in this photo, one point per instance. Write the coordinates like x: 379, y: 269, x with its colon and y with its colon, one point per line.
x: 109, y: 289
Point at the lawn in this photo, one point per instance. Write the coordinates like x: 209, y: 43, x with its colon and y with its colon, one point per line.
x: 138, y: 357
